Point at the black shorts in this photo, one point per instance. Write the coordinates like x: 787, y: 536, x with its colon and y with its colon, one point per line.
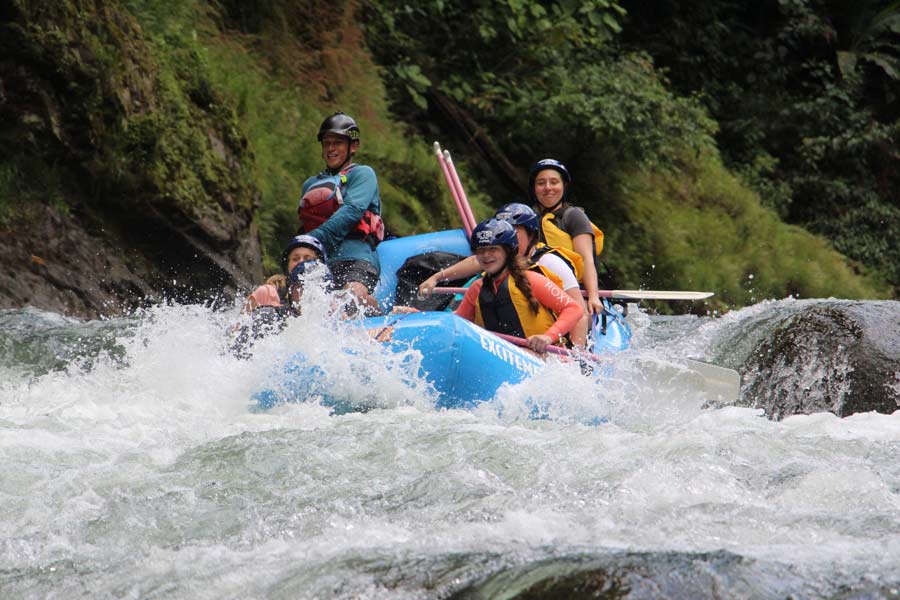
x: 348, y: 271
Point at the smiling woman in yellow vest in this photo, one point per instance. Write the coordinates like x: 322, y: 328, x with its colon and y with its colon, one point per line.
x: 554, y: 264
x: 511, y: 299
x: 564, y: 226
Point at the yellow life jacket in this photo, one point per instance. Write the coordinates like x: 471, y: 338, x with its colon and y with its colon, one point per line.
x: 508, y: 312
x: 542, y: 270
x: 572, y: 259
x: 554, y: 236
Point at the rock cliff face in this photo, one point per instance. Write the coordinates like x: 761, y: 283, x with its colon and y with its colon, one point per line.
x: 122, y: 180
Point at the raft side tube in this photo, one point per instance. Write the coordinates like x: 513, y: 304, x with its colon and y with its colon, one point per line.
x: 465, y: 364
x: 393, y: 253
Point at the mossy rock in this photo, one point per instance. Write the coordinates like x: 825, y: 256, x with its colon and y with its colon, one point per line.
x: 144, y: 155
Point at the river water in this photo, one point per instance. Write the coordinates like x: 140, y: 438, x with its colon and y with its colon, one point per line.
x: 134, y: 465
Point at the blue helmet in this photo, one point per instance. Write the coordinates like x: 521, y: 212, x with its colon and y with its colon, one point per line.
x: 307, y: 241
x: 494, y: 232
x: 517, y: 213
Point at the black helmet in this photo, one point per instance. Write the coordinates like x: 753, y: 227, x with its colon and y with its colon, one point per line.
x: 340, y: 124
x: 548, y: 163
x: 494, y: 232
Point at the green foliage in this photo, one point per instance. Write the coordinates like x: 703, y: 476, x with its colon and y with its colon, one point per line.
x: 496, y: 47
x: 805, y: 93
x: 619, y: 108
x: 270, y: 116
x: 191, y: 144
x: 872, y: 41
x: 280, y: 117
x: 541, y: 77
x: 701, y: 229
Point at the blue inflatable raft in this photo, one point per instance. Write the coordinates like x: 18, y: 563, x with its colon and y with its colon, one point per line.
x: 464, y: 364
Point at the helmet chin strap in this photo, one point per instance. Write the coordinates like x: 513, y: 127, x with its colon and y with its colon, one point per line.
x: 347, y: 160
x: 532, y: 242
x: 555, y: 206
x: 545, y: 210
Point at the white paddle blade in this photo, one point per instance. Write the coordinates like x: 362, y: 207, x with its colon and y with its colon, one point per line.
x: 657, y: 295
x: 722, y: 386
x: 698, y: 383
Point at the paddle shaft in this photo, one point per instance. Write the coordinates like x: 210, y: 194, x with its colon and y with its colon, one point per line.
x: 463, y: 199
x: 445, y: 169
x: 615, y: 294
x: 552, y: 349
x: 727, y: 382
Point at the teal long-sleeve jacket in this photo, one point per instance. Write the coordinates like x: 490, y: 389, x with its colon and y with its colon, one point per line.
x: 360, y: 194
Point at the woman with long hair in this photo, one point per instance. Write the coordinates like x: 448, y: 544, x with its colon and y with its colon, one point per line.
x: 512, y: 299
x: 550, y: 262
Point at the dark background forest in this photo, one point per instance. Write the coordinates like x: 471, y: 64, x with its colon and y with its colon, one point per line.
x: 748, y: 148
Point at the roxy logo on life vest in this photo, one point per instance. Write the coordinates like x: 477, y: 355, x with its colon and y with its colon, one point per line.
x: 556, y: 292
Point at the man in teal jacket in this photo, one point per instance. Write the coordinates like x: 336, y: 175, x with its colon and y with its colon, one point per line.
x: 341, y: 207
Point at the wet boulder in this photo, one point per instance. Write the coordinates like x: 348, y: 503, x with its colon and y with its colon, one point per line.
x: 836, y: 356
x: 638, y: 576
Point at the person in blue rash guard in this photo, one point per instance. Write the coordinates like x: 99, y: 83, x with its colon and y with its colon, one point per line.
x: 341, y: 207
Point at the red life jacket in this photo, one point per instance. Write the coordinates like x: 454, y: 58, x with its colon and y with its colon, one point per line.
x: 322, y: 200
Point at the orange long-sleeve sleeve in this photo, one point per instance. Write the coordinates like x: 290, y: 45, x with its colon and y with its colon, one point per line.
x: 553, y: 297
x: 545, y: 291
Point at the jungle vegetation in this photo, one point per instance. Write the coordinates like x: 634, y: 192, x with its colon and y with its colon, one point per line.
x: 751, y: 149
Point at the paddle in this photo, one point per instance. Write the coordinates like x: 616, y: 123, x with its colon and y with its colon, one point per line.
x: 455, y: 185
x: 617, y: 294
x: 551, y: 349
x: 652, y: 295
x: 718, y: 383
x: 445, y: 169
x: 464, y: 200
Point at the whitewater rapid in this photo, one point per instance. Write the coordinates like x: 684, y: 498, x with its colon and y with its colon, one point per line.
x: 133, y: 463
